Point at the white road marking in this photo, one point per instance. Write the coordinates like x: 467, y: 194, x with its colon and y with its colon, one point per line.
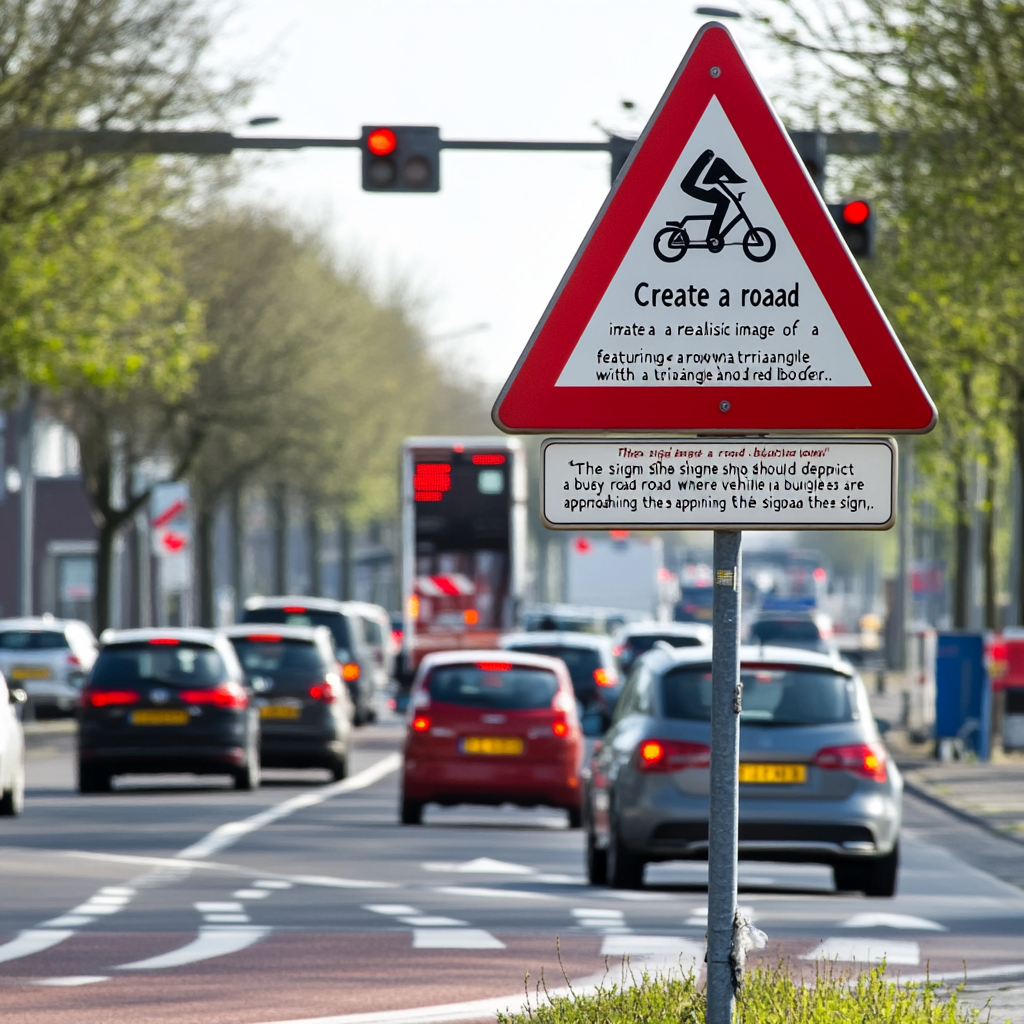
x: 272, y: 883
x: 865, y: 951
x: 228, y: 834
x: 482, y: 865
x: 209, y: 943
x: 341, y: 883
x: 32, y: 940
x: 68, y: 921
x: 224, y: 907
x: 103, y: 899
x: 454, y: 938
x: 117, y: 890
x: 905, y: 921
x: 588, y: 912
x: 959, y: 976
x: 652, y: 945
x: 165, y: 862
x: 424, y: 921
x: 97, y: 908
x: 394, y: 909
x: 251, y: 894
x: 72, y: 980
x: 628, y: 894
x: 226, y: 918
x: 560, y: 879
x: 501, y: 894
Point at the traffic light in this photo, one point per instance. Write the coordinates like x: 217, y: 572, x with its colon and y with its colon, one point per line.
x: 400, y: 158
x: 813, y: 149
x: 856, y: 222
x: 620, y: 148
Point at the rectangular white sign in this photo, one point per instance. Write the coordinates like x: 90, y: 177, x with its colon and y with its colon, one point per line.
x: 702, y: 484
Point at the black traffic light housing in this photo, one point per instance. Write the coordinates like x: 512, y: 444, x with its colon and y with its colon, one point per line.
x: 401, y: 158
x: 856, y: 222
x: 813, y: 149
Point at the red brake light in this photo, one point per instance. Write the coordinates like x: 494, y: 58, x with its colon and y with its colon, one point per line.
x: 856, y: 212
x: 227, y: 695
x: 420, y: 723
x: 294, y: 610
x: 868, y: 760
x: 494, y: 666
x: 264, y: 638
x: 488, y: 460
x: 74, y: 660
x: 102, y: 698
x: 322, y: 691
x: 560, y: 728
x: 165, y: 640
x: 672, y: 755
x: 396, y: 637
x: 381, y: 141
x: 350, y: 672
x: 605, y: 678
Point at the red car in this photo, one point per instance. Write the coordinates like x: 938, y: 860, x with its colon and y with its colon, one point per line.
x: 492, y: 727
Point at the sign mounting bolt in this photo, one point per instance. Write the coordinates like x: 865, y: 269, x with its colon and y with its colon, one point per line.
x: 716, y: 71
x: 724, y: 406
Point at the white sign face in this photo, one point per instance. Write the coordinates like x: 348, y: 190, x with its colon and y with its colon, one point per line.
x: 713, y: 289
x: 700, y: 484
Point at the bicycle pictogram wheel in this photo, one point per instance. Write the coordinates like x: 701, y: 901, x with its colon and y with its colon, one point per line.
x: 670, y: 244
x: 759, y: 245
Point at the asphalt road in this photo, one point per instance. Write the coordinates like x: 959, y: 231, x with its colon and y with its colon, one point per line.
x: 182, y: 900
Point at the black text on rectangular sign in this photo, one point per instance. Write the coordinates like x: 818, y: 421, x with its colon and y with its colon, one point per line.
x: 699, y: 484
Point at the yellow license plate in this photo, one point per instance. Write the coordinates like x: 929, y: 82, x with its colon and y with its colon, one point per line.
x: 785, y: 773
x: 279, y: 711
x: 30, y: 673
x: 159, y: 718
x: 492, y: 745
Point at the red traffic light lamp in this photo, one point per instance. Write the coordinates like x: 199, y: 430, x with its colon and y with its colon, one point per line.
x: 381, y: 142
x: 856, y: 222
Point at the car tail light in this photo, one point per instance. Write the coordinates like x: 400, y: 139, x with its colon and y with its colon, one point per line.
x: 560, y: 728
x: 421, y: 723
x: 350, y: 672
x: 605, y: 678
x: 172, y: 641
x: 264, y: 638
x: 104, y: 698
x: 672, y: 755
x: 294, y: 609
x: 494, y: 666
x: 74, y: 661
x: 227, y: 695
x: 322, y: 691
x: 396, y: 637
x: 867, y: 760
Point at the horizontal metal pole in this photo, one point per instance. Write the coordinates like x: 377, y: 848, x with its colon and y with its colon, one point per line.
x: 45, y: 140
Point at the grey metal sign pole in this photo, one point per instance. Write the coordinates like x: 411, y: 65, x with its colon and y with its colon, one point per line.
x: 725, y: 754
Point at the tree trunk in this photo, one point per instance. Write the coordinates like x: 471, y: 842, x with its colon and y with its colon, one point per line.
x: 1019, y: 438
x: 345, y: 556
x: 204, y: 563
x: 313, y: 533
x: 280, y: 503
x: 988, y: 541
x: 104, y: 573
x: 237, y: 548
x: 962, y: 579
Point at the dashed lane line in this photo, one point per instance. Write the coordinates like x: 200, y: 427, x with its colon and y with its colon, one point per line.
x: 229, y: 833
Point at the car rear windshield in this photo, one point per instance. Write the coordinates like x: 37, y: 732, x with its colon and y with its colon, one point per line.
x: 181, y: 664
x: 334, y: 621
x: 645, y: 641
x: 285, y: 655
x: 581, y: 662
x: 553, y: 622
x: 510, y: 689
x: 771, y: 696
x: 773, y: 631
x: 33, y: 640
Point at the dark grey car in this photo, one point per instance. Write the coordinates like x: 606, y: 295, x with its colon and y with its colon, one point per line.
x: 816, y: 784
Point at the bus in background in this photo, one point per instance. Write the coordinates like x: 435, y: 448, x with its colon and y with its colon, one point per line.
x: 463, y: 543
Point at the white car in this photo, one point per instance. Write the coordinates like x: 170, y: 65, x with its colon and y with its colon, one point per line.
x: 48, y: 658
x: 12, y: 750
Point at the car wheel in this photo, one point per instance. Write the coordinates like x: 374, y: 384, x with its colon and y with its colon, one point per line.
x: 597, y: 862
x: 12, y: 800
x: 339, y: 768
x: 575, y: 817
x: 412, y: 812
x: 92, y: 779
x: 625, y: 868
x: 247, y: 777
x: 881, y: 880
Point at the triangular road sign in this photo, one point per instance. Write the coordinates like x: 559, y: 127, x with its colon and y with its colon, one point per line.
x: 713, y: 292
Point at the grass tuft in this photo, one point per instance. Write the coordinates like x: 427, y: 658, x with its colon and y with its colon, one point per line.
x: 771, y: 995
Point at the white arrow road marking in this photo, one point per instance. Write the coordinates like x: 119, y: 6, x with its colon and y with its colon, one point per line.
x: 32, y: 940
x: 228, y: 834
x: 454, y: 938
x: 652, y: 945
x: 905, y: 921
x: 865, y: 951
x: 209, y: 943
x: 482, y: 865
x: 79, y: 979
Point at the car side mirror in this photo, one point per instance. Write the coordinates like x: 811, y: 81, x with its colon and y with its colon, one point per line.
x: 883, y: 725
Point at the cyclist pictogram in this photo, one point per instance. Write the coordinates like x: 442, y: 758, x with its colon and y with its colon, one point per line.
x: 673, y: 241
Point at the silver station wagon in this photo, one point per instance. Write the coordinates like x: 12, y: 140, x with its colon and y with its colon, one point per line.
x: 816, y: 783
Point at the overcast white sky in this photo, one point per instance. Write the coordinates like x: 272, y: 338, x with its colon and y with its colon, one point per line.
x: 491, y: 246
